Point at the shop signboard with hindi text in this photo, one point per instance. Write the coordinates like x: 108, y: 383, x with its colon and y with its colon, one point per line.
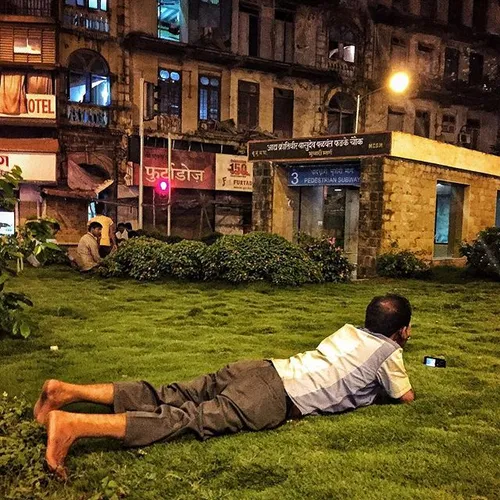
x: 233, y: 173
x: 190, y: 169
x: 35, y: 167
x: 340, y: 174
x: 318, y: 148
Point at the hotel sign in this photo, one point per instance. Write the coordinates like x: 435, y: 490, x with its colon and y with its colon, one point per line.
x: 38, y: 106
x: 321, y: 148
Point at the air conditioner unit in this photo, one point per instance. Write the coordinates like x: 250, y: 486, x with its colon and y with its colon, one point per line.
x: 448, y: 128
x: 464, y: 138
x: 208, y: 125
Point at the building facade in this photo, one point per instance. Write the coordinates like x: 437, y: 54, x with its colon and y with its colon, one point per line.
x: 225, y: 72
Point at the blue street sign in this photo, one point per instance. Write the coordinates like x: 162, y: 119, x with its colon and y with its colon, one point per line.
x: 340, y: 174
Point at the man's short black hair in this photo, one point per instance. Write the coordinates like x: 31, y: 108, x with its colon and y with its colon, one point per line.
x: 95, y: 225
x: 121, y: 224
x: 386, y: 314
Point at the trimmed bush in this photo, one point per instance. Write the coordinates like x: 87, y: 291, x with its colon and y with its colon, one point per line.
x: 483, y: 254
x: 402, y: 264
x: 330, y: 258
x: 259, y: 257
x: 139, y: 258
x: 186, y: 259
x: 157, y: 235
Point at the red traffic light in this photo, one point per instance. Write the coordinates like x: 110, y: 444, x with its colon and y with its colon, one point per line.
x: 162, y: 187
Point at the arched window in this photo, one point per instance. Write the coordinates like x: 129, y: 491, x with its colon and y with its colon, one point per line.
x: 341, y: 111
x: 89, y: 78
x: 342, y: 44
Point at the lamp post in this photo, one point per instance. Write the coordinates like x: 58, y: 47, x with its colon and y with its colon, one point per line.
x: 398, y: 83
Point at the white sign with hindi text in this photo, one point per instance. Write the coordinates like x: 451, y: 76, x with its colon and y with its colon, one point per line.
x: 36, y: 167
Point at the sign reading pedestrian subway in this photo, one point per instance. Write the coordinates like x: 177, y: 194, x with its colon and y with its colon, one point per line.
x: 317, y: 148
x: 343, y: 174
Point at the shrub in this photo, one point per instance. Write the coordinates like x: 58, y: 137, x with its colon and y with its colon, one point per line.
x: 157, y: 235
x: 186, y: 259
x: 330, y: 258
x: 402, y: 264
x: 211, y: 238
x: 140, y: 258
x: 22, y: 451
x: 483, y: 254
x: 259, y: 256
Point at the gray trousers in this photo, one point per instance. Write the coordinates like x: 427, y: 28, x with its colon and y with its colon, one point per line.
x: 248, y: 395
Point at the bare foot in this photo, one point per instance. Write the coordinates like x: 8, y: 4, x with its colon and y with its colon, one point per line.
x: 59, y: 441
x: 52, y: 397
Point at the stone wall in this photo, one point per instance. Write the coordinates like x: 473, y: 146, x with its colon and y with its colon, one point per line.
x: 262, y: 199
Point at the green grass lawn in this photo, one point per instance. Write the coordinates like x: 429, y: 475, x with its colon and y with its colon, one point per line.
x: 445, y: 445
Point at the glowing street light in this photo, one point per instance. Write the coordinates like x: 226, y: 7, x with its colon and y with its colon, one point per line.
x: 398, y: 83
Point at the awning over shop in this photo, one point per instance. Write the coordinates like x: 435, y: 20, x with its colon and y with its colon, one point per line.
x: 69, y: 193
x: 30, y: 145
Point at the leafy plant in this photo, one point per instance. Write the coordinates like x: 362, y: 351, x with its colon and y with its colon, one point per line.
x: 402, y: 264
x: 483, y: 254
x: 12, y: 320
x: 186, y: 259
x: 21, y: 450
x: 259, y: 257
x: 33, y: 242
x: 331, y: 259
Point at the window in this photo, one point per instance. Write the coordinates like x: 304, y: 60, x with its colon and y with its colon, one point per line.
x: 248, y: 31
x: 248, y: 104
x: 284, y: 34
x: 283, y: 113
x: 342, y: 44
x: 451, y: 62
x: 90, y: 4
x: 89, y: 80
x: 29, y: 42
x: 170, y: 94
x: 398, y: 52
x: 395, y: 120
x: 209, y: 16
x: 428, y: 8
x: 497, y: 215
x: 449, y: 124
x: 449, y: 219
x: 169, y: 20
x: 422, y: 123
x: 209, y: 98
x: 455, y: 10
x: 480, y: 15
x: 476, y: 63
x: 15, y: 87
x: 473, y: 128
x: 425, y: 58
x: 341, y: 113
x: 401, y: 5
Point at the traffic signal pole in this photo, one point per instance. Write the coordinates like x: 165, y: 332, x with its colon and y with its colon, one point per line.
x: 169, y: 206
x: 141, y: 153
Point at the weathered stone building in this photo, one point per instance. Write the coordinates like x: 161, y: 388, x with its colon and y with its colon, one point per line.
x: 226, y: 72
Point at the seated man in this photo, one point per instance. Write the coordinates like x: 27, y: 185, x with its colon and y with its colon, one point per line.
x: 87, y: 253
x: 348, y: 369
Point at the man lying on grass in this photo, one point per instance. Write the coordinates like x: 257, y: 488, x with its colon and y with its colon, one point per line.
x: 348, y: 369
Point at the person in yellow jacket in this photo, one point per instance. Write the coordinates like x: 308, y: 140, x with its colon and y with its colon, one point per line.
x: 107, y: 243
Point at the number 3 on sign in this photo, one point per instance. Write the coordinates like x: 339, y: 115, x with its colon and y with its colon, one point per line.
x: 295, y: 178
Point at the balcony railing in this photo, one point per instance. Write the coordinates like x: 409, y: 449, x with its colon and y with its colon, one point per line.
x: 84, y: 20
x: 37, y: 8
x: 168, y: 123
x: 346, y: 70
x: 87, y: 115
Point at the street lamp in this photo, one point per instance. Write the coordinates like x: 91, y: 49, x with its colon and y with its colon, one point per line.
x: 398, y: 83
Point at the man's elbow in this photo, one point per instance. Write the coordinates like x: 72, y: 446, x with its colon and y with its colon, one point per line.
x: 408, y: 397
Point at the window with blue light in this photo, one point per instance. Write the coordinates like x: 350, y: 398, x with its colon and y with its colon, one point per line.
x: 90, y: 4
x: 169, y: 20
x: 209, y: 98
x: 89, y: 80
x: 170, y: 83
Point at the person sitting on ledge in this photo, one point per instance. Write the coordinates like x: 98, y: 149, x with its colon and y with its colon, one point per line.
x: 349, y: 369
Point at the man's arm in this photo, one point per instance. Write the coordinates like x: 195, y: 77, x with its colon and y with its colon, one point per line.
x: 94, y: 252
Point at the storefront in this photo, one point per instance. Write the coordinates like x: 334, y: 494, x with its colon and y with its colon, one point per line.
x: 375, y: 191
x: 210, y: 192
x: 37, y: 159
